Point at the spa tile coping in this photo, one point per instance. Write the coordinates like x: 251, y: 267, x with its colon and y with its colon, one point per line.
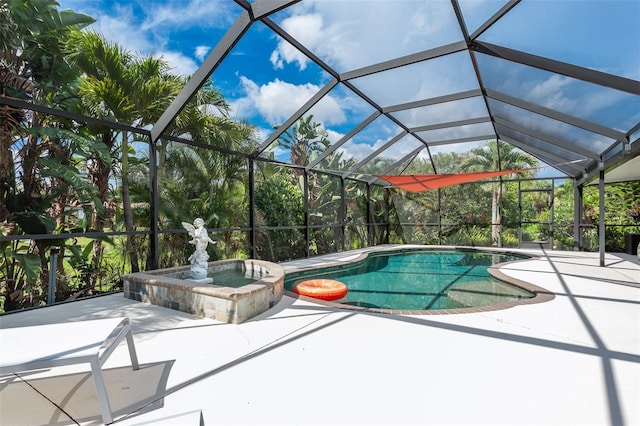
x: 276, y: 273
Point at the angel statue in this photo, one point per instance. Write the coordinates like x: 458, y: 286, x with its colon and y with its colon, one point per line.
x: 200, y: 239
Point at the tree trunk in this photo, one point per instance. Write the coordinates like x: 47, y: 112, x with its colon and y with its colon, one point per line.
x: 161, y: 158
x: 58, y: 208
x: 99, y: 173
x: 6, y: 171
x: 30, y: 155
x: 34, y: 297
x: 126, y: 207
x: 495, y: 217
x: 13, y: 280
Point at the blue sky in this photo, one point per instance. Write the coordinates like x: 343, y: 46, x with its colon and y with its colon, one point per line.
x: 266, y: 80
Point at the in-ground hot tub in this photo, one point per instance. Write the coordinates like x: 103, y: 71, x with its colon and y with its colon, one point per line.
x: 234, y: 290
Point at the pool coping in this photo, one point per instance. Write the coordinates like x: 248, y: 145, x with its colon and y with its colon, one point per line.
x: 541, y: 295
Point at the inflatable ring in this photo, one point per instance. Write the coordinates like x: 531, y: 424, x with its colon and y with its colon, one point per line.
x: 321, y: 288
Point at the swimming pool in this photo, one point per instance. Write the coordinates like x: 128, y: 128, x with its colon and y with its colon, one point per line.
x: 422, y: 280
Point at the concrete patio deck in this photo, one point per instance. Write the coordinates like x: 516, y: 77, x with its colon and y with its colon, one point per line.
x: 574, y: 360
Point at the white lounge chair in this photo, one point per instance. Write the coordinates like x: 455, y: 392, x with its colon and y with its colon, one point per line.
x: 54, y: 345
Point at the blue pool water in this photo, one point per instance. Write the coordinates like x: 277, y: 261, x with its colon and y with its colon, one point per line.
x: 420, y: 280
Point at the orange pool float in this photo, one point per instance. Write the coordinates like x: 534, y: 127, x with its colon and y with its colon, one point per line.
x: 321, y: 288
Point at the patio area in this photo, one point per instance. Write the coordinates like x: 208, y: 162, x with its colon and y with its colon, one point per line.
x: 574, y: 360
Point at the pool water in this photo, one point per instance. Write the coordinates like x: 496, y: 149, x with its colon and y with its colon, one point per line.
x: 421, y: 280
x: 234, y: 278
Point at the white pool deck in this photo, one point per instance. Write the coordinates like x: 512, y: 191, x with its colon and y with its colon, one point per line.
x: 572, y: 361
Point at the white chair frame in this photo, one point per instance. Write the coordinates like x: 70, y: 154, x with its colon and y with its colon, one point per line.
x: 54, y: 345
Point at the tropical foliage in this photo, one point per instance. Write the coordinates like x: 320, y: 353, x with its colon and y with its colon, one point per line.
x: 498, y: 155
x: 33, y: 66
x: 76, y: 195
x: 72, y: 176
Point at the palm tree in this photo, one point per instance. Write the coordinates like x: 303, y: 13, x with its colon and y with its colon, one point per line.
x: 304, y: 139
x: 200, y: 182
x: 32, y: 67
x: 10, y: 118
x: 121, y: 87
x: 497, y: 155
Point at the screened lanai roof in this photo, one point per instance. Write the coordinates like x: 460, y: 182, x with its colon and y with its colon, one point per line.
x: 392, y: 81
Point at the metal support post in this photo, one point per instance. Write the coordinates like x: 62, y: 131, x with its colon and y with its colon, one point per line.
x: 578, y: 208
x: 343, y: 214
x: 369, y: 226
x: 439, y: 217
x: 307, y: 230
x: 552, y: 200
x: 601, y: 227
x: 154, y: 251
x: 519, y: 214
x: 53, y: 266
x: 252, y: 211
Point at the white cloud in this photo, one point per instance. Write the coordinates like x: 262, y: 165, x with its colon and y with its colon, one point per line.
x: 120, y: 29
x: 334, y: 136
x: 202, y: 52
x: 242, y: 108
x: 604, y: 99
x: 443, y: 112
x: 459, y: 148
x: 308, y: 30
x: 560, y: 93
x: 359, y: 150
x: 550, y: 92
x: 150, y: 34
x: 328, y: 111
x: 350, y: 35
x: 353, y: 34
x: 179, y: 64
x: 277, y: 100
x: 201, y: 13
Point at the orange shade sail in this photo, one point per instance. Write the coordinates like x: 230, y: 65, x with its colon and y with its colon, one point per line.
x: 421, y: 183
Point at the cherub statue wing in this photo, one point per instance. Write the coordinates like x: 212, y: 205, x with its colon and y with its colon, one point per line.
x: 190, y: 228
